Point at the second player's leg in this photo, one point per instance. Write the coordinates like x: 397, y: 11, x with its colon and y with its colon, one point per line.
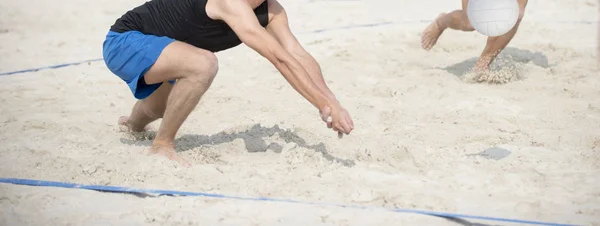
x: 496, y: 44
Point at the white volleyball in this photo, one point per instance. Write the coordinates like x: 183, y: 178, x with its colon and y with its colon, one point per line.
x: 493, y: 17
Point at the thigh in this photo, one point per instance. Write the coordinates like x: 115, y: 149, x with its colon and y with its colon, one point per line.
x: 179, y: 60
x: 130, y: 55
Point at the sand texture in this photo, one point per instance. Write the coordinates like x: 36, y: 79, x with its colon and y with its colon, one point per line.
x: 426, y: 137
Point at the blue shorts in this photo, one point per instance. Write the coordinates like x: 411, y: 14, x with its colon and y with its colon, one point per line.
x: 130, y: 55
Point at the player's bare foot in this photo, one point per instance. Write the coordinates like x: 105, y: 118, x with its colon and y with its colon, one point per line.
x: 129, y: 126
x: 480, y: 74
x: 432, y: 33
x: 480, y: 69
x: 483, y: 64
x: 168, y: 150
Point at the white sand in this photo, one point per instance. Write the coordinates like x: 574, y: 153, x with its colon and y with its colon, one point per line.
x: 417, y: 124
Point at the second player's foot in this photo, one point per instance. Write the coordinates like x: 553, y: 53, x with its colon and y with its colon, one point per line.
x: 482, y: 65
x: 480, y: 70
x: 432, y: 33
x: 479, y: 74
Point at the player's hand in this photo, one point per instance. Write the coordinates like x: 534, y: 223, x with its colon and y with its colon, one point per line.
x: 337, y: 118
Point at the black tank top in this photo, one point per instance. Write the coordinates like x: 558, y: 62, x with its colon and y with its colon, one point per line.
x: 186, y: 21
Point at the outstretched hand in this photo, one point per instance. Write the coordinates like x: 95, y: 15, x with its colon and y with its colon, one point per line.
x: 338, y: 119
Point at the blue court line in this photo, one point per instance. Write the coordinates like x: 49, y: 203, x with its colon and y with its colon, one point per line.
x: 136, y: 191
x: 307, y: 32
x: 49, y: 67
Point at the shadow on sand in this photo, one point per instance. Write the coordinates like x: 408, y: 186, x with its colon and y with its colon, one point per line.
x: 254, y: 140
x: 506, y: 59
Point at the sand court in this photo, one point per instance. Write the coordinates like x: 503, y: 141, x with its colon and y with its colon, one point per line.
x: 426, y: 138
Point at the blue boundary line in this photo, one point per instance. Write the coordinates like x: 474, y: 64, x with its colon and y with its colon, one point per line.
x: 308, y: 32
x: 126, y: 190
x: 50, y: 67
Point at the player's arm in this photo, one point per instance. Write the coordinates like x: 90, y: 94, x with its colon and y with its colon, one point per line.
x: 241, y: 18
x: 280, y: 29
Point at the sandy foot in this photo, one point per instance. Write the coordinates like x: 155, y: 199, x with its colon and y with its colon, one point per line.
x: 431, y: 34
x: 167, y: 150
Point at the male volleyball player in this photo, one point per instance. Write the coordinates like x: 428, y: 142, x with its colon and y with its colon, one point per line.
x: 164, y: 51
x: 458, y: 20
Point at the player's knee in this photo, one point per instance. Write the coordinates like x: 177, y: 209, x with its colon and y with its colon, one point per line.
x: 212, y: 64
x: 465, y: 23
x: 204, y: 67
x: 468, y: 27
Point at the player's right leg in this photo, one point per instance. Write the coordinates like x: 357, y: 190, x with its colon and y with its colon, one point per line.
x: 194, y: 70
x: 456, y: 20
x: 147, y: 62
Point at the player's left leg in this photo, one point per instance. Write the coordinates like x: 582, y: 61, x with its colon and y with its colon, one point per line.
x: 496, y: 44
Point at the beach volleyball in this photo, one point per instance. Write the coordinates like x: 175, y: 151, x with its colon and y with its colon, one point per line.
x: 493, y: 17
